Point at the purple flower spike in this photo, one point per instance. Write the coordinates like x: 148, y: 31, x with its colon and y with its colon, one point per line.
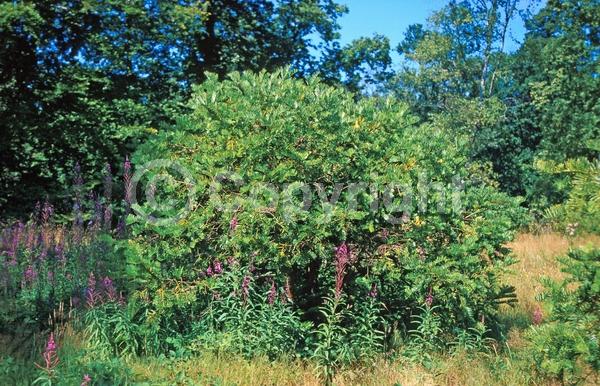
x: 246, y: 287
x: 209, y: 271
x: 109, y: 289
x: 429, y: 298
x: 50, y: 356
x: 91, y: 296
x: 373, y: 292
x: 47, y: 211
x: 233, y: 224
x: 30, y: 274
x: 218, y: 267
x: 128, y: 184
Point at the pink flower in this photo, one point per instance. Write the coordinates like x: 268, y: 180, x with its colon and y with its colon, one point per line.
x: 429, y: 298
x: 109, y: 289
x: 233, y: 224
x: 246, y: 287
x: 50, y: 356
x: 86, y: 380
x: 373, y: 292
x: 30, y: 274
x: 128, y: 184
x: 218, y: 268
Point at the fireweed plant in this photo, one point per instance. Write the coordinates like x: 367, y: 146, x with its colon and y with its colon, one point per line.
x: 348, y: 333
x: 55, y: 272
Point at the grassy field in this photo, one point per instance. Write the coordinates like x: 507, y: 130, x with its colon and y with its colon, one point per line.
x: 504, y: 366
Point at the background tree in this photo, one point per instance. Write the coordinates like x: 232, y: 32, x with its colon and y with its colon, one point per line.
x: 85, y: 81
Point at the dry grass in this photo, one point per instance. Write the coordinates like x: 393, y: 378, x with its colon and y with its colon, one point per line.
x: 537, y: 255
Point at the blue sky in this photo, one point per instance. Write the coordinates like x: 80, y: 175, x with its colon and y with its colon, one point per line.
x: 392, y: 17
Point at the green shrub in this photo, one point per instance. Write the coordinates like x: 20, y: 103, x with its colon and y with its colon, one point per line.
x: 257, y: 129
x: 567, y: 345
x: 581, y: 210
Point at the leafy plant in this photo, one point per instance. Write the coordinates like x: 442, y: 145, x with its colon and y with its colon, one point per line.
x: 566, y: 346
x: 581, y: 210
x: 426, y: 337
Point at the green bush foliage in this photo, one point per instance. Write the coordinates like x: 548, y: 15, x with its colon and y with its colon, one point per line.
x: 581, y: 210
x: 258, y: 129
x: 567, y: 347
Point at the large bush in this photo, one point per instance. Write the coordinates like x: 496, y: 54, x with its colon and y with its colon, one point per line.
x: 443, y: 244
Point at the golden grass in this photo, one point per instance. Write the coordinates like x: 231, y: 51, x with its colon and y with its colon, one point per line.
x: 537, y: 255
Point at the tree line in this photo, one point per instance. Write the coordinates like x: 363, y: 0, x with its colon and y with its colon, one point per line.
x: 84, y: 82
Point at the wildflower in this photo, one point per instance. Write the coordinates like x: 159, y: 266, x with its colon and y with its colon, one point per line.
x: 30, y: 274
x: 246, y: 287
x: 272, y: 293
x: 209, y: 271
x: 50, y: 356
x: 373, y: 291
x: 538, y: 315
x: 30, y: 240
x: 47, y: 212
x: 571, y: 229
x: 385, y: 233
x: 16, y: 237
x: 341, y: 260
x: 429, y: 298
x: 109, y: 288
x: 218, y: 268
x: 86, y: 380
x: 233, y: 223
